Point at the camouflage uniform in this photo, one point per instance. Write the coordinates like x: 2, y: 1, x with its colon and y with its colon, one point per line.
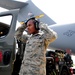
x: 34, y: 60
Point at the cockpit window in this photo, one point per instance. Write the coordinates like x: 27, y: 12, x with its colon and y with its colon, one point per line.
x: 5, y: 22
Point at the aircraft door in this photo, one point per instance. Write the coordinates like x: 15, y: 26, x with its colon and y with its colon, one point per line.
x: 7, y: 41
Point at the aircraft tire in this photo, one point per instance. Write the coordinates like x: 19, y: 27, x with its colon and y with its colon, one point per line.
x: 64, y: 72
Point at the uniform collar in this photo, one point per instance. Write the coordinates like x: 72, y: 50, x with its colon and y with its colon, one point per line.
x: 39, y: 33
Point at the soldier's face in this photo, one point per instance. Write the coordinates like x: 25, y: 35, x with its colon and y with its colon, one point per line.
x: 30, y: 27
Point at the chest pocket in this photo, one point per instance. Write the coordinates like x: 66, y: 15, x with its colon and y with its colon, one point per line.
x: 36, y: 41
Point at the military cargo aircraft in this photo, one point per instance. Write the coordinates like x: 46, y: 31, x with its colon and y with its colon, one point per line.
x: 66, y: 32
x: 19, y: 11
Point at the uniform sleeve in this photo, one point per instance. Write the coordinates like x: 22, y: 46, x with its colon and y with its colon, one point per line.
x: 19, y: 34
x: 49, y: 34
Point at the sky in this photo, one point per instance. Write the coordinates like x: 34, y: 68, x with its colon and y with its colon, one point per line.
x: 61, y: 11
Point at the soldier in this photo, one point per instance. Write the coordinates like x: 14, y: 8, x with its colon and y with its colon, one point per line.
x: 40, y: 36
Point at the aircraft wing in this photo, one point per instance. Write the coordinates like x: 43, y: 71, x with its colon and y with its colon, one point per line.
x: 10, y: 4
x: 26, y: 7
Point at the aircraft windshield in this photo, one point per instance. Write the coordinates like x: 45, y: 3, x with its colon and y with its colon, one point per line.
x: 5, y: 22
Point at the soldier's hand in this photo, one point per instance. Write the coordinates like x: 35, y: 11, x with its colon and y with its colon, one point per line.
x: 23, y: 24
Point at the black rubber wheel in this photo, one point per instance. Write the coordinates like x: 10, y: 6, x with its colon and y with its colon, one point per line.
x: 64, y: 72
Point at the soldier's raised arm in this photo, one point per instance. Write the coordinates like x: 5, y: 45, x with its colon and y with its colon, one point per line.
x: 19, y: 34
x: 49, y: 34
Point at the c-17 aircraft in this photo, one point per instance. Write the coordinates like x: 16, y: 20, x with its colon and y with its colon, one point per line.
x: 19, y: 11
